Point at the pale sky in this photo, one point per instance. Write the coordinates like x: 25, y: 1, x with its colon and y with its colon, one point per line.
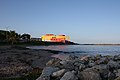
x: 85, y: 21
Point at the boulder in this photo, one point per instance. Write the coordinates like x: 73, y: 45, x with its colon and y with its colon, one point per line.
x: 69, y: 76
x: 81, y: 67
x: 89, y: 74
x: 58, y: 73
x: 112, y: 65
x: 118, y: 78
x: 102, y: 70
x: 91, y: 64
x: 85, y: 59
x: 118, y: 73
x: 116, y: 57
x: 67, y: 65
x: 102, y: 60
x: 53, y: 62
x: 111, y: 76
x: 47, y: 72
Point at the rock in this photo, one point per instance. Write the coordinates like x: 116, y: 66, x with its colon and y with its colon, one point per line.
x: 116, y: 57
x: 81, y: 67
x: 89, y: 74
x: 91, y: 64
x: 118, y: 78
x: 102, y: 70
x: 72, y: 57
x: 111, y: 76
x: 53, y: 62
x: 103, y: 60
x: 58, y: 73
x: 112, y: 65
x: 69, y: 76
x: 118, y: 73
x: 67, y: 64
x: 85, y: 58
x: 47, y: 72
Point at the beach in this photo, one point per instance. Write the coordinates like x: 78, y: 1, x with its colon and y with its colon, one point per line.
x: 17, y: 61
x: 21, y: 63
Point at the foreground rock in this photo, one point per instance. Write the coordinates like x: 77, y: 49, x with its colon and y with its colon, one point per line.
x: 69, y: 76
x: 47, y: 72
x: 20, y: 61
x: 84, y: 68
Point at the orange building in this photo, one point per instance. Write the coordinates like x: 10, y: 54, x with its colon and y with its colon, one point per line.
x: 55, y: 38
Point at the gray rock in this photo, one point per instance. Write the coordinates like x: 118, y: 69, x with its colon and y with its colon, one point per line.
x: 89, y: 74
x: 118, y: 73
x: 67, y: 64
x: 53, y: 62
x: 102, y: 70
x: 69, y: 76
x: 118, y: 78
x: 103, y: 60
x: 47, y: 72
x: 112, y: 65
x: 116, y: 57
x: 91, y: 64
x: 111, y: 76
x: 72, y: 57
x: 81, y: 67
x: 58, y: 73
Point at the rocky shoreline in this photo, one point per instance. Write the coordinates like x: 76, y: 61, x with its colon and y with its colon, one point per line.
x: 82, y: 68
x: 18, y: 61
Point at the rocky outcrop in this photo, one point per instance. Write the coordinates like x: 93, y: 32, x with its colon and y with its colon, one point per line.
x: 82, y: 68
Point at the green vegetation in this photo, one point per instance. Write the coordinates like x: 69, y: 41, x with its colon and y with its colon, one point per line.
x: 11, y: 37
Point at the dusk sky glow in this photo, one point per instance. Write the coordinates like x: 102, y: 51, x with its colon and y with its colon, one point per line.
x: 85, y: 21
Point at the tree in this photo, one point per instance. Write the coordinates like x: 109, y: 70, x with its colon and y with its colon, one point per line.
x: 25, y: 37
x: 12, y: 37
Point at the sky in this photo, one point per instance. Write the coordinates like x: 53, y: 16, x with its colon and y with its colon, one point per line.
x: 85, y: 21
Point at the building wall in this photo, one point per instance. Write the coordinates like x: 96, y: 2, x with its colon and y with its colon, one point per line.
x: 55, y: 38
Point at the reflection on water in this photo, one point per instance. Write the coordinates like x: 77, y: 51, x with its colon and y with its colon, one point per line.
x: 83, y: 49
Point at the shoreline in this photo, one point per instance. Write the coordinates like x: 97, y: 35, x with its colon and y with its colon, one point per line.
x: 19, y: 61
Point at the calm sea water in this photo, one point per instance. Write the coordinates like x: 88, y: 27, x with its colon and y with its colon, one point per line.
x: 83, y: 49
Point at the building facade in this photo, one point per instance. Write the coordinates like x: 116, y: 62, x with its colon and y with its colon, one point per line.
x: 55, y: 38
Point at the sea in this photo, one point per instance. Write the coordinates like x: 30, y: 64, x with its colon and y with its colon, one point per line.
x: 82, y: 49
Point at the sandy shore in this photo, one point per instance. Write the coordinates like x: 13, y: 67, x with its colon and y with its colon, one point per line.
x: 17, y: 61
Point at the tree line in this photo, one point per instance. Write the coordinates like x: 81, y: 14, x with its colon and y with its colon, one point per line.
x: 13, y: 37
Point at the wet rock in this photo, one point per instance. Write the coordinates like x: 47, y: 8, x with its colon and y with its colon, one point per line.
x: 58, y: 73
x: 47, y: 72
x: 69, y: 76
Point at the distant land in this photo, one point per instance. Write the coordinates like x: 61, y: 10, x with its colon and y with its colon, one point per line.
x: 99, y: 44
